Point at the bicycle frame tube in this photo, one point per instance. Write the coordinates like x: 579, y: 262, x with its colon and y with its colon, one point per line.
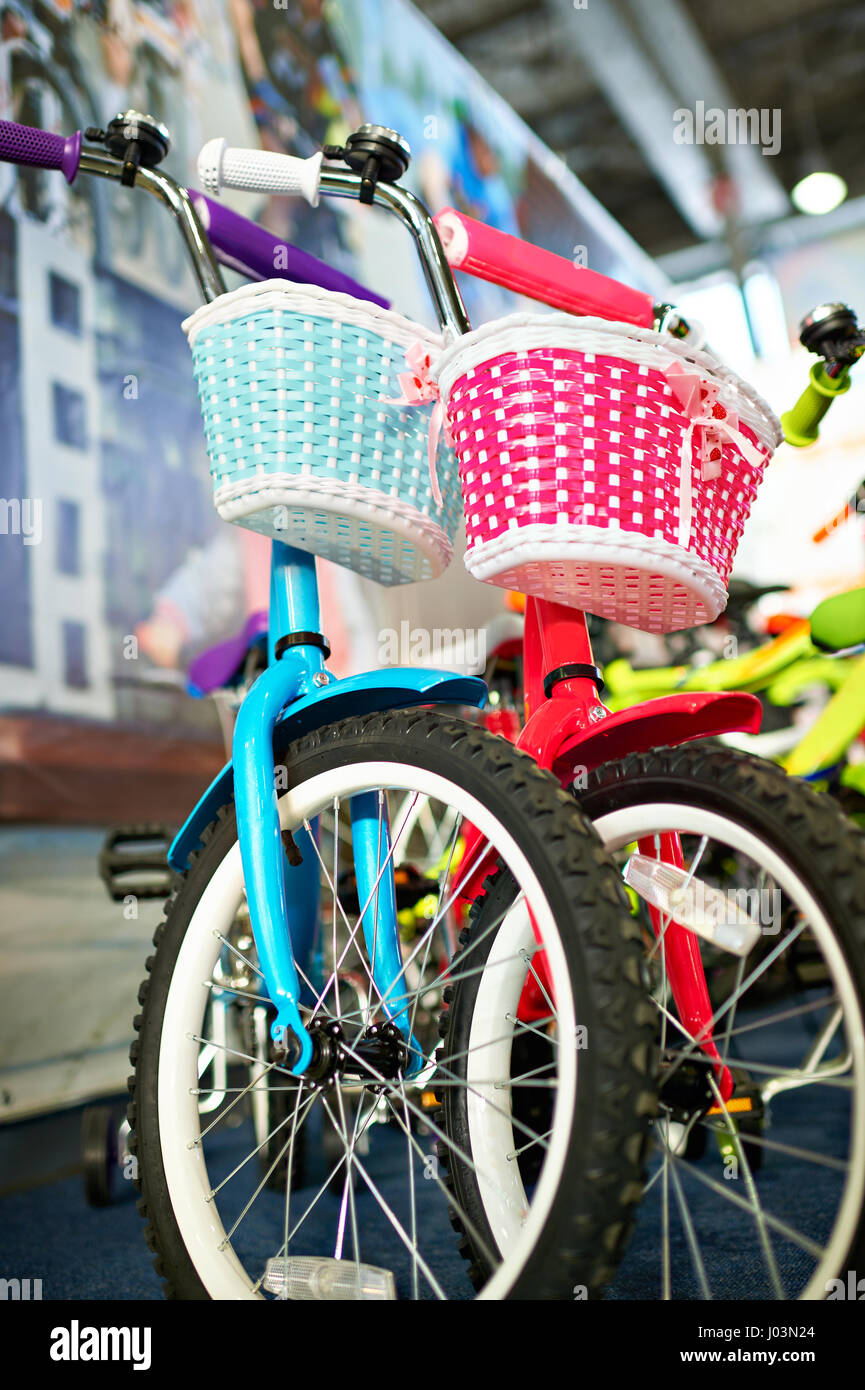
x: 574, y: 727
x: 284, y: 898
x: 683, y: 963
x: 281, y: 911
x: 839, y: 724
x: 376, y: 890
x: 570, y: 730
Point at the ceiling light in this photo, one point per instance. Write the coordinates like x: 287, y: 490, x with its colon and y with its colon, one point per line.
x: 819, y: 192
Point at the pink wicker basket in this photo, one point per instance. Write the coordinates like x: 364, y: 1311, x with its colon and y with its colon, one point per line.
x: 603, y: 466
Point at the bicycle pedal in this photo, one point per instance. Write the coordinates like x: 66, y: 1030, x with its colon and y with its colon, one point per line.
x: 745, y: 1103
x: 736, y: 1105
x: 322, y: 1279
x: 133, y: 862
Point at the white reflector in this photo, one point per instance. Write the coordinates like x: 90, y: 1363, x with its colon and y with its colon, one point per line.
x: 323, y: 1279
x: 717, y: 917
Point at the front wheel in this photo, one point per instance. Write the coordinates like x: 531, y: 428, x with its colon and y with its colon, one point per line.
x: 368, y: 1215
x: 760, y: 1194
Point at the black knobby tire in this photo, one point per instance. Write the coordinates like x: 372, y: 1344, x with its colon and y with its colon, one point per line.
x: 604, y: 1176
x: 602, y: 951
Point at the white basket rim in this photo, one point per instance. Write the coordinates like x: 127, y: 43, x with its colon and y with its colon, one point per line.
x: 313, y: 301
x: 642, y: 346
x: 237, y: 501
x: 585, y: 544
x: 356, y: 499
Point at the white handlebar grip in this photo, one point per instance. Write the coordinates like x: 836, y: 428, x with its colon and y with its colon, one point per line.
x: 258, y: 171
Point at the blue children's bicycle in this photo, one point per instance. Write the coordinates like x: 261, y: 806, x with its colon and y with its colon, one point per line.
x: 311, y: 1099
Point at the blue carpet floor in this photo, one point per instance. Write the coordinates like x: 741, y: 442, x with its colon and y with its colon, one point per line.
x: 48, y: 1231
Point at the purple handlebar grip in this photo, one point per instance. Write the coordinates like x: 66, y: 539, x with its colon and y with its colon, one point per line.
x: 24, y: 144
x: 244, y: 246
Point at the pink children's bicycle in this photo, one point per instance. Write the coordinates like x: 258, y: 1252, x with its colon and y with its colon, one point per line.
x: 608, y: 466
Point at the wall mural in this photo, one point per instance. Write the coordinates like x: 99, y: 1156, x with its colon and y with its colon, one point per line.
x: 107, y: 532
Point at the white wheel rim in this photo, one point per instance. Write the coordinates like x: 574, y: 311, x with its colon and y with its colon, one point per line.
x: 184, y: 1165
x: 620, y: 828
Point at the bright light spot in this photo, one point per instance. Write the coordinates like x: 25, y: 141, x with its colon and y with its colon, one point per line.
x: 819, y: 192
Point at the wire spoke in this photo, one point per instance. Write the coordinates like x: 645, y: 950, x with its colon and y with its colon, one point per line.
x: 690, y: 1233
x: 465, y: 1219
x: 257, y: 1150
x: 775, y: 1223
x: 398, y: 1227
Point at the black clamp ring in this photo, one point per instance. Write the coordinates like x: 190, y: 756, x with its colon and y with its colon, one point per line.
x: 301, y: 639
x: 566, y: 673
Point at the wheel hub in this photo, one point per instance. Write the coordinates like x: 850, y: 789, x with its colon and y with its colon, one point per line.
x: 373, y: 1055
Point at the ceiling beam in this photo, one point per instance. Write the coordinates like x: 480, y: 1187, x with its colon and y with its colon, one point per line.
x: 532, y: 99
x: 523, y: 38
x: 693, y: 262
x: 602, y: 37
x: 692, y: 74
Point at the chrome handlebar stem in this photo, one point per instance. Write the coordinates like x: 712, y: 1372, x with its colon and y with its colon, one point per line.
x: 179, y: 203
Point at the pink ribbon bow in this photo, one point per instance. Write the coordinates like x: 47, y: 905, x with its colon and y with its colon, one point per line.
x: 699, y: 401
x: 419, y: 388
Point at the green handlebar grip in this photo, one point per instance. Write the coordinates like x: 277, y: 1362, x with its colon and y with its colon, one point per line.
x: 839, y: 622
x: 801, y: 425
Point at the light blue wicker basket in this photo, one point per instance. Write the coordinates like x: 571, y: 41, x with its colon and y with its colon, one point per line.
x: 294, y: 383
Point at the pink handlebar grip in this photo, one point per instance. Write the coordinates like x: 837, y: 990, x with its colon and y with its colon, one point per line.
x: 505, y: 260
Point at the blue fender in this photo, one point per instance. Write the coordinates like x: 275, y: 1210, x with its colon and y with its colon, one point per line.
x: 398, y: 687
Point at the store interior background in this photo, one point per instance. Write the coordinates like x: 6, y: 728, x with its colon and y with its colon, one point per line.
x: 547, y: 118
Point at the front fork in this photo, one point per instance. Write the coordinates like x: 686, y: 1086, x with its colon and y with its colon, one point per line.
x: 283, y: 897
x: 683, y: 964
x: 559, y: 667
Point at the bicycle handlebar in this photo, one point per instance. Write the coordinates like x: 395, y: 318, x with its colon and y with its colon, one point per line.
x: 235, y: 240
x: 39, y: 149
x: 801, y: 425
x: 517, y: 265
x: 469, y: 245
x: 256, y: 253
x: 258, y: 171
x: 492, y: 255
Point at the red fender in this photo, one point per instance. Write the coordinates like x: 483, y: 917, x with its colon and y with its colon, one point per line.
x: 568, y: 730
x: 560, y: 728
